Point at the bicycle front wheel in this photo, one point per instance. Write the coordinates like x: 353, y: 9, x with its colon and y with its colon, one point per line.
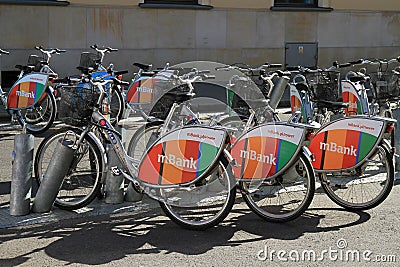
x: 285, y: 197
x: 82, y: 183
x: 364, y: 187
x: 215, y: 195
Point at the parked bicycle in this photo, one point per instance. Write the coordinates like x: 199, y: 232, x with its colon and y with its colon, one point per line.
x: 193, y: 185
x: 352, y: 155
x: 31, y: 101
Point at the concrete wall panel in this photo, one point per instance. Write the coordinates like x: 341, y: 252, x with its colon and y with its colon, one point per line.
x: 104, y: 26
x: 211, y: 29
x: 241, y: 30
x: 270, y: 30
x: 301, y: 26
x: 176, y: 28
x: 139, y: 28
x: 23, y: 27
x: 67, y: 27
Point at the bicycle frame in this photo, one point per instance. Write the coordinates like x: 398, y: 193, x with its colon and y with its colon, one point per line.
x: 218, y: 136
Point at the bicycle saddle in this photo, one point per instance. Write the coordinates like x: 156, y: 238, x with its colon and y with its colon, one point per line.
x: 145, y: 67
x: 25, y: 68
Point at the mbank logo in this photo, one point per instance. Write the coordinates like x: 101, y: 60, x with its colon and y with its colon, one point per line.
x: 253, y: 155
x: 179, y: 162
x: 333, y: 147
x: 25, y: 94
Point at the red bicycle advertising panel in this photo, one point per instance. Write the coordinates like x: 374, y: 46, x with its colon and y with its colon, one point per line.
x: 27, y: 91
x: 265, y: 150
x: 345, y: 143
x: 182, y: 156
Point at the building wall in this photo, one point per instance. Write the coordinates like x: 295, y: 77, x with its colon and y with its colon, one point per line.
x: 252, y: 35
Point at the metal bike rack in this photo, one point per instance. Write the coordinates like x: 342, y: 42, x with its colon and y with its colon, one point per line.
x: 132, y: 195
x: 21, y: 183
x: 114, y: 179
x: 54, y: 176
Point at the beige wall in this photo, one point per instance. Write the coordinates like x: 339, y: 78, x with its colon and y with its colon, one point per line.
x: 156, y: 36
x: 381, y: 5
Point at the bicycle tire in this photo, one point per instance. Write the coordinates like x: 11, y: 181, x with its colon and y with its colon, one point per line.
x: 143, y: 138
x: 83, y: 182
x: 281, y: 198
x: 363, y: 177
x: 117, y: 106
x: 41, y: 117
x: 199, y: 217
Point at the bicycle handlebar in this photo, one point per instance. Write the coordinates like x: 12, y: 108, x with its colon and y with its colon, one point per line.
x: 50, y: 51
x: 248, y: 68
x: 4, y: 52
x: 105, y: 50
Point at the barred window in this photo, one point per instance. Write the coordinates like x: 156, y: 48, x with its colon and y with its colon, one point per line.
x: 296, y: 3
x: 175, y: 2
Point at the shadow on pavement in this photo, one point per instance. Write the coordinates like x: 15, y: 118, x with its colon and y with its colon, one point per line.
x: 102, y: 240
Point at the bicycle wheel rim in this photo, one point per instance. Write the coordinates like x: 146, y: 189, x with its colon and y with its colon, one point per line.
x: 283, y: 200
x: 41, y: 116
x: 366, y: 188
x: 211, y: 211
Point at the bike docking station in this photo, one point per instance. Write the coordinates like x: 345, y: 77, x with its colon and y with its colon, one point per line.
x: 21, y: 183
x: 114, y: 184
x: 54, y: 176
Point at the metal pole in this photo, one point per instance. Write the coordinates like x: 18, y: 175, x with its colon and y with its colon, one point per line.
x: 21, y: 183
x: 114, y: 179
x: 53, y: 178
x: 132, y: 195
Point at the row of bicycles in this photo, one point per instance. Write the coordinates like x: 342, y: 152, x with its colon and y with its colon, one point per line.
x: 195, y: 166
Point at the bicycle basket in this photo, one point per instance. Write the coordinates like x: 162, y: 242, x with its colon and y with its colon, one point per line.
x: 386, y: 86
x: 89, y: 60
x: 324, y: 85
x: 77, y: 102
x: 36, y: 62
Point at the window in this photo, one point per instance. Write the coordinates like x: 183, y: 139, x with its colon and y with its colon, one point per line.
x: 173, y: 2
x: 35, y: 2
x: 196, y: 4
x: 296, y: 3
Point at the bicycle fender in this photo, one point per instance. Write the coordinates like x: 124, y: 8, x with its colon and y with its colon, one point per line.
x: 102, y: 152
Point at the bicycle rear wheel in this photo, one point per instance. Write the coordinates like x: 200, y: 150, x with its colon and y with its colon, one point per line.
x: 143, y: 138
x: 284, y: 198
x: 117, y: 106
x: 364, y: 187
x: 216, y: 195
x: 83, y: 181
x: 41, y: 116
